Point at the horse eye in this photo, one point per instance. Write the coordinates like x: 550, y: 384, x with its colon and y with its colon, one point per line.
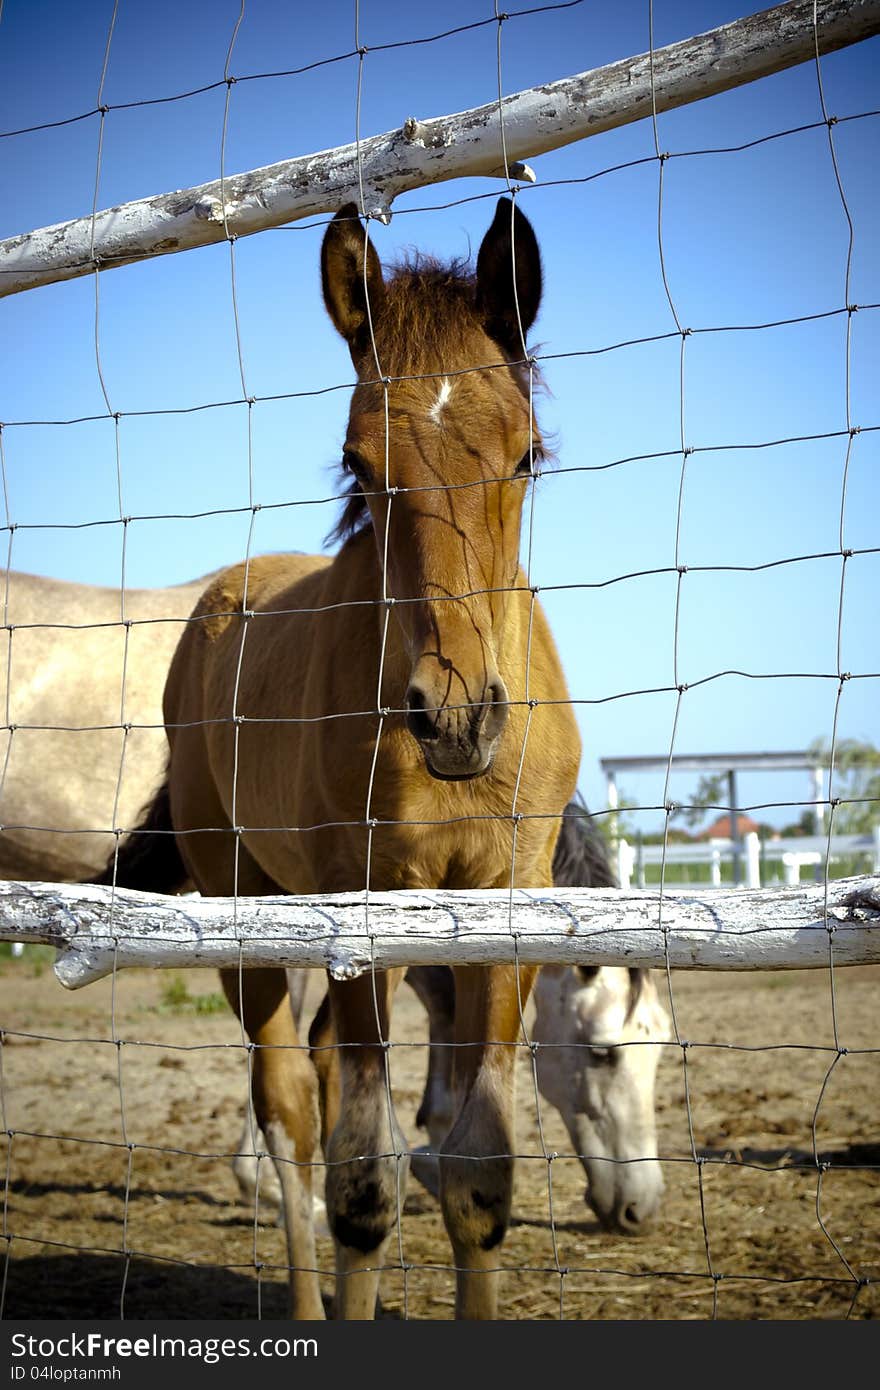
x: 603, y: 1055
x: 354, y: 464
x: 529, y: 463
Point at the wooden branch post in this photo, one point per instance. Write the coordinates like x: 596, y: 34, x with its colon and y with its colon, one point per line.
x: 97, y: 930
x: 431, y: 151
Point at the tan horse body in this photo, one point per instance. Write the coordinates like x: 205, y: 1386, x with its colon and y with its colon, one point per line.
x: 289, y: 777
x: 62, y: 773
x: 317, y: 728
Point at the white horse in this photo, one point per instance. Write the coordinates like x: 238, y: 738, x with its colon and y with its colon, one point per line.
x: 598, y: 1031
x: 77, y: 675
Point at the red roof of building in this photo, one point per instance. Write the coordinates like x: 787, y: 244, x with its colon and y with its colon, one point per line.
x: 720, y: 829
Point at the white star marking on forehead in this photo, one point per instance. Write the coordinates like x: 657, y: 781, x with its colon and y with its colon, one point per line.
x: 436, y: 410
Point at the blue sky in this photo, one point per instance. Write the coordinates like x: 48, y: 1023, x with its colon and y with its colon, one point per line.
x: 749, y: 237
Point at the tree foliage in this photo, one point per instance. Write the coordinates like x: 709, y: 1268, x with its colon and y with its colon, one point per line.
x: 855, y: 783
x: 711, y: 791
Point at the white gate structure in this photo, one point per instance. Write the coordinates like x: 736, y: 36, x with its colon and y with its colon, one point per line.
x: 821, y: 926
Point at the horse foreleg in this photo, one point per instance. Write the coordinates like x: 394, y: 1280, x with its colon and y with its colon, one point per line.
x: 284, y: 1089
x: 248, y: 1172
x: 325, y: 1059
x: 253, y: 1178
x: 435, y: 987
x: 367, y: 1157
x: 476, y: 1160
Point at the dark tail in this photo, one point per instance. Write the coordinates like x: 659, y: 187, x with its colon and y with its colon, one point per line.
x: 148, y: 857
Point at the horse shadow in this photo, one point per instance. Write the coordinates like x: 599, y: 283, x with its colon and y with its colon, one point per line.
x: 94, y: 1287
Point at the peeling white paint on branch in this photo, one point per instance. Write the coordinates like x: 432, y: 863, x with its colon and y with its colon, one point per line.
x: 784, y: 928
x: 446, y: 147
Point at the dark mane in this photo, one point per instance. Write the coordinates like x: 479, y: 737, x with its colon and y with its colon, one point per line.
x: 427, y: 314
x: 581, y: 860
x: 354, y: 517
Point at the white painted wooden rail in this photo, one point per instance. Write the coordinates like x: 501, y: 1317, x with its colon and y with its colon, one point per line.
x: 445, y: 147
x: 791, y: 853
x: 785, y: 928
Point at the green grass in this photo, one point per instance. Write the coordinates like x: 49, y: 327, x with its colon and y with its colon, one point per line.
x: 36, y: 960
x: 175, y: 998
x: 772, y: 873
x: 686, y: 874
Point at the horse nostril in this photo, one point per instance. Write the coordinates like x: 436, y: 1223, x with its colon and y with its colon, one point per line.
x: 421, y: 722
x: 490, y: 717
x: 630, y: 1216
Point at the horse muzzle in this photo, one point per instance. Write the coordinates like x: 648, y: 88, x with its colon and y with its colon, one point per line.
x: 458, y: 741
x: 628, y: 1205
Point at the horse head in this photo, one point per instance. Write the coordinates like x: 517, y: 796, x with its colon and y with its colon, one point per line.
x: 599, y: 1031
x: 440, y: 446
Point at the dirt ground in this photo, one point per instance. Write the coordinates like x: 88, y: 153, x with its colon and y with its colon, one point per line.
x: 741, y: 1232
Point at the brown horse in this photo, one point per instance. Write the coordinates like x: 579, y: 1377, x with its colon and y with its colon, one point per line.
x: 393, y: 718
x: 63, y: 681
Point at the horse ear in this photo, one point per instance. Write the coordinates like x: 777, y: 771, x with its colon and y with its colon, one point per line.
x: 346, y: 287
x: 509, y: 250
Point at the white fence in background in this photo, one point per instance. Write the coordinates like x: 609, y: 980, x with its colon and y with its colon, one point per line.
x: 787, y: 856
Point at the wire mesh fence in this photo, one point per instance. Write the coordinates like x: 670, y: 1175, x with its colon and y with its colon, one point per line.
x: 759, y: 1092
